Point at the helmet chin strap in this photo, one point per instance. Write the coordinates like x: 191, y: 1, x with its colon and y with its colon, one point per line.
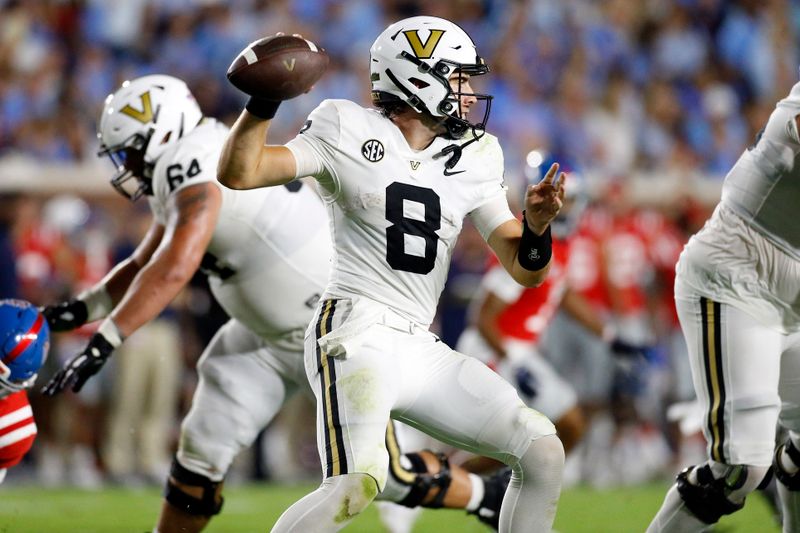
x: 455, y: 150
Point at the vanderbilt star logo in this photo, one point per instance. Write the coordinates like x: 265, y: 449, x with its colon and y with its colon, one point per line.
x: 448, y: 172
x: 414, y: 165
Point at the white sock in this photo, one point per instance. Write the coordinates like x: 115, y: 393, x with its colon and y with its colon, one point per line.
x: 477, y: 492
x: 787, y: 464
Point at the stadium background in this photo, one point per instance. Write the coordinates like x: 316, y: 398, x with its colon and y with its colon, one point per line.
x: 650, y: 102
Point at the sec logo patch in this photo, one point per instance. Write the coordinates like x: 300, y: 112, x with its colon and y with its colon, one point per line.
x: 372, y: 150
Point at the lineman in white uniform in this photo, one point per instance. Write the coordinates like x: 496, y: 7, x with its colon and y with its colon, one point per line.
x: 398, y: 183
x: 738, y: 298
x: 267, y: 254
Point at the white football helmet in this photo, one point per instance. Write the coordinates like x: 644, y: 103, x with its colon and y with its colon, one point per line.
x: 412, y: 61
x: 140, y: 120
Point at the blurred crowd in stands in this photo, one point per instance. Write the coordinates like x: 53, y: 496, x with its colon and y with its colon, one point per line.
x: 612, y: 85
x: 669, y: 89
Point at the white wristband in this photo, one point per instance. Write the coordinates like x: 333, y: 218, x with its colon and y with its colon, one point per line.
x: 111, y: 333
x: 98, y: 302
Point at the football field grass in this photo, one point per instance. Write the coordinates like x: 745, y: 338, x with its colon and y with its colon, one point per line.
x: 255, y: 508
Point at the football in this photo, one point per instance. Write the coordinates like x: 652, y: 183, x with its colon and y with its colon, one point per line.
x: 279, y: 67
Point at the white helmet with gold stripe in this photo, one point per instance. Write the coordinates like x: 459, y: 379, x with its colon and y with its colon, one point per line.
x: 143, y: 118
x: 413, y: 60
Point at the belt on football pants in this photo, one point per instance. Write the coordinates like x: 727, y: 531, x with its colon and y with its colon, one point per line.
x: 396, y: 321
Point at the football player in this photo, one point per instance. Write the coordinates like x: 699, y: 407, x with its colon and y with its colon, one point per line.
x: 24, y: 341
x: 398, y: 181
x: 267, y: 256
x: 507, y: 321
x: 737, y: 292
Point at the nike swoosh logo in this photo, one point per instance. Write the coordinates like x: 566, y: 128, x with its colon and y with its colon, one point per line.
x: 452, y: 172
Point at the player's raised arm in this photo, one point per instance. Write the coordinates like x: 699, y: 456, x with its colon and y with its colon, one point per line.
x: 246, y: 162
x: 525, y: 249
x: 270, y: 70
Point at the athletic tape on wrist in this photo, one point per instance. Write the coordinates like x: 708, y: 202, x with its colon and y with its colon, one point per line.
x: 98, y: 302
x: 111, y: 332
x: 535, y: 251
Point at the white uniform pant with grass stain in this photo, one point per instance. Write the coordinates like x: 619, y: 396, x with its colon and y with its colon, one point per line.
x: 395, y: 368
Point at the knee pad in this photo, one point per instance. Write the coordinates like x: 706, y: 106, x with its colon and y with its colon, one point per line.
x: 544, y: 456
x: 790, y: 481
x: 209, y: 504
x: 709, y: 498
x: 424, y: 481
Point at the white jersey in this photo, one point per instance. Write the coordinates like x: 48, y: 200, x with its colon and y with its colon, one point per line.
x: 748, y: 253
x: 764, y: 186
x: 396, y: 213
x: 269, y: 255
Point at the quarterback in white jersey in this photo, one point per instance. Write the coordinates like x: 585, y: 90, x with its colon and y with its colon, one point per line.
x: 399, y: 181
x: 738, y: 298
x: 267, y: 256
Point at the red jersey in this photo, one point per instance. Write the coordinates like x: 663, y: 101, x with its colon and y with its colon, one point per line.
x: 629, y: 268
x: 529, y: 309
x: 664, y: 242
x: 17, y: 428
x: 585, y: 265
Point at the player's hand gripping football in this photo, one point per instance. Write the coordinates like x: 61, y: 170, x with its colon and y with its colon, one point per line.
x: 543, y: 201
x: 278, y: 67
x: 80, y: 368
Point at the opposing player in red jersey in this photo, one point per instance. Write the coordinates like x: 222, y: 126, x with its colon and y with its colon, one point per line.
x: 509, y: 320
x: 24, y: 341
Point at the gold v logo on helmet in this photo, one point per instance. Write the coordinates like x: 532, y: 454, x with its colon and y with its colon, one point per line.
x: 423, y: 50
x: 145, y: 115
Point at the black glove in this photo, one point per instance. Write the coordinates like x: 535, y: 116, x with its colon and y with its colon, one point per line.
x: 66, y: 316
x: 526, y: 382
x: 623, y: 349
x: 81, y: 367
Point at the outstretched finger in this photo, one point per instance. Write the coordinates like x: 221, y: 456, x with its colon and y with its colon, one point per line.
x: 551, y: 174
x: 562, y: 185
